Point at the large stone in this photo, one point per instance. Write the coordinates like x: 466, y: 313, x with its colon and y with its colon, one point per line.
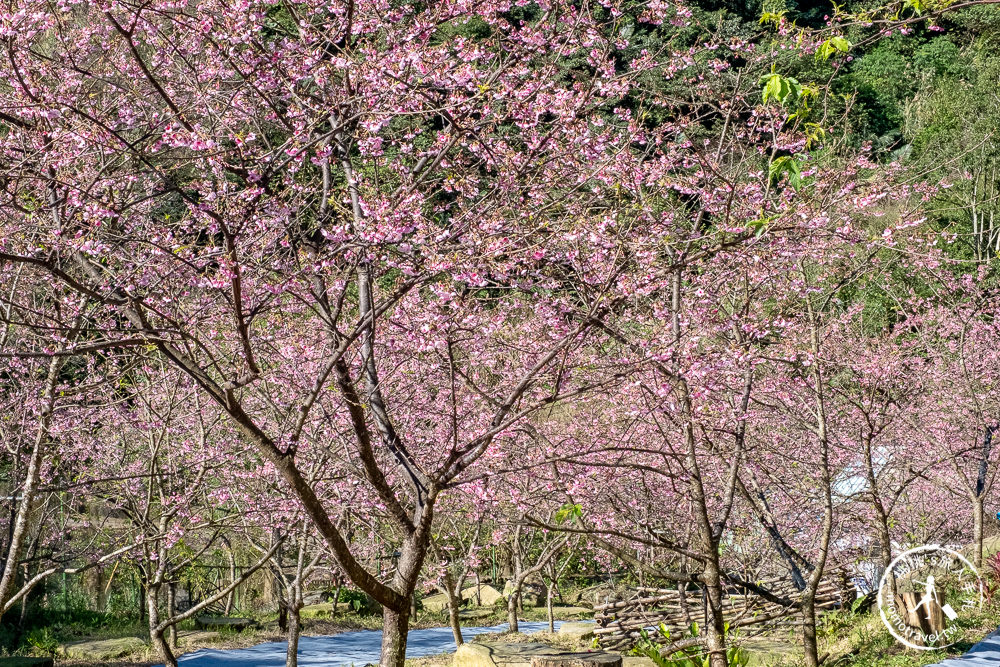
x: 435, y: 603
x: 534, y: 594
x: 487, y: 594
x: 320, y: 610
x: 102, y: 649
x: 577, y: 631
x: 530, y: 594
x: 316, y: 598
x: 475, y: 654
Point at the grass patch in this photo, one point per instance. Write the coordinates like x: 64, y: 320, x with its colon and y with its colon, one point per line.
x: 862, y: 640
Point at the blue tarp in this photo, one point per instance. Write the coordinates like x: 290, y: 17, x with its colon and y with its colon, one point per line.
x: 984, y: 654
x: 348, y: 648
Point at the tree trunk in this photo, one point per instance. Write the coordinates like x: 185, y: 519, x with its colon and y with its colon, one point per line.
x: 395, y: 625
x: 884, y: 541
x: 715, y: 638
x: 28, y: 491
x: 708, y: 533
x: 336, y: 599
x: 102, y: 590
x: 715, y: 624
x: 884, y: 550
x: 512, y: 609
x: 454, y: 602
x: 548, y: 608
x: 682, y: 598
x: 294, y: 629
x: 171, y: 612
x: 155, y: 634
x: 163, y: 648
x: 809, y: 645
x: 142, y: 602
x: 977, y: 530
x: 232, y: 577
x: 282, y: 614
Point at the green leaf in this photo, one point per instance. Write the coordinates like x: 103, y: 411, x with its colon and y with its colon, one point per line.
x: 833, y: 46
x: 771, y: 17
x: 772, y: 88
x: 786, y: 164
x: 569, y: 513
x: 785, y: 90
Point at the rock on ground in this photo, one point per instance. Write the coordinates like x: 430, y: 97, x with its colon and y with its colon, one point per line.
x: 474, y: 654
x: 102, y: 649
x: 578, y: 631
x: 318, y: 610
x: 487, y: 594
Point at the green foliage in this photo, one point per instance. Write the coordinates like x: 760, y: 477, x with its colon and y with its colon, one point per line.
x: 772, y: 18
x: 356, y: 601
x: 569, y: 513
x: 693, y: 656
x: 782, y: 89
x: 43, y: 640
x: 939, y: 57
x: 833, y: 46
x: 863, y: 640
x: 786, y: 165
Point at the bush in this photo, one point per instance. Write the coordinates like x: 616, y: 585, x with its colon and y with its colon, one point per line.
x: 42, y: 640
x: 359, y: 602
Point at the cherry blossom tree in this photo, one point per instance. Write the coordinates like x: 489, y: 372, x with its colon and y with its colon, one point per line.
x: 419, y: 247
x: 456, y: 555
x: 328, y: 208
x: 156, y: 463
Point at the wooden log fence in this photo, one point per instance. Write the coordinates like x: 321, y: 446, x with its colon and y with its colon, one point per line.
x: 620, y: 622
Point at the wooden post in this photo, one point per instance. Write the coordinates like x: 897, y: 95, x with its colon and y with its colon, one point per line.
x: 928, y: 617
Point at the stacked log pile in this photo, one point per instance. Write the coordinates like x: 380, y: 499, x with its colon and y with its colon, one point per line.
x: 620, y: 622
